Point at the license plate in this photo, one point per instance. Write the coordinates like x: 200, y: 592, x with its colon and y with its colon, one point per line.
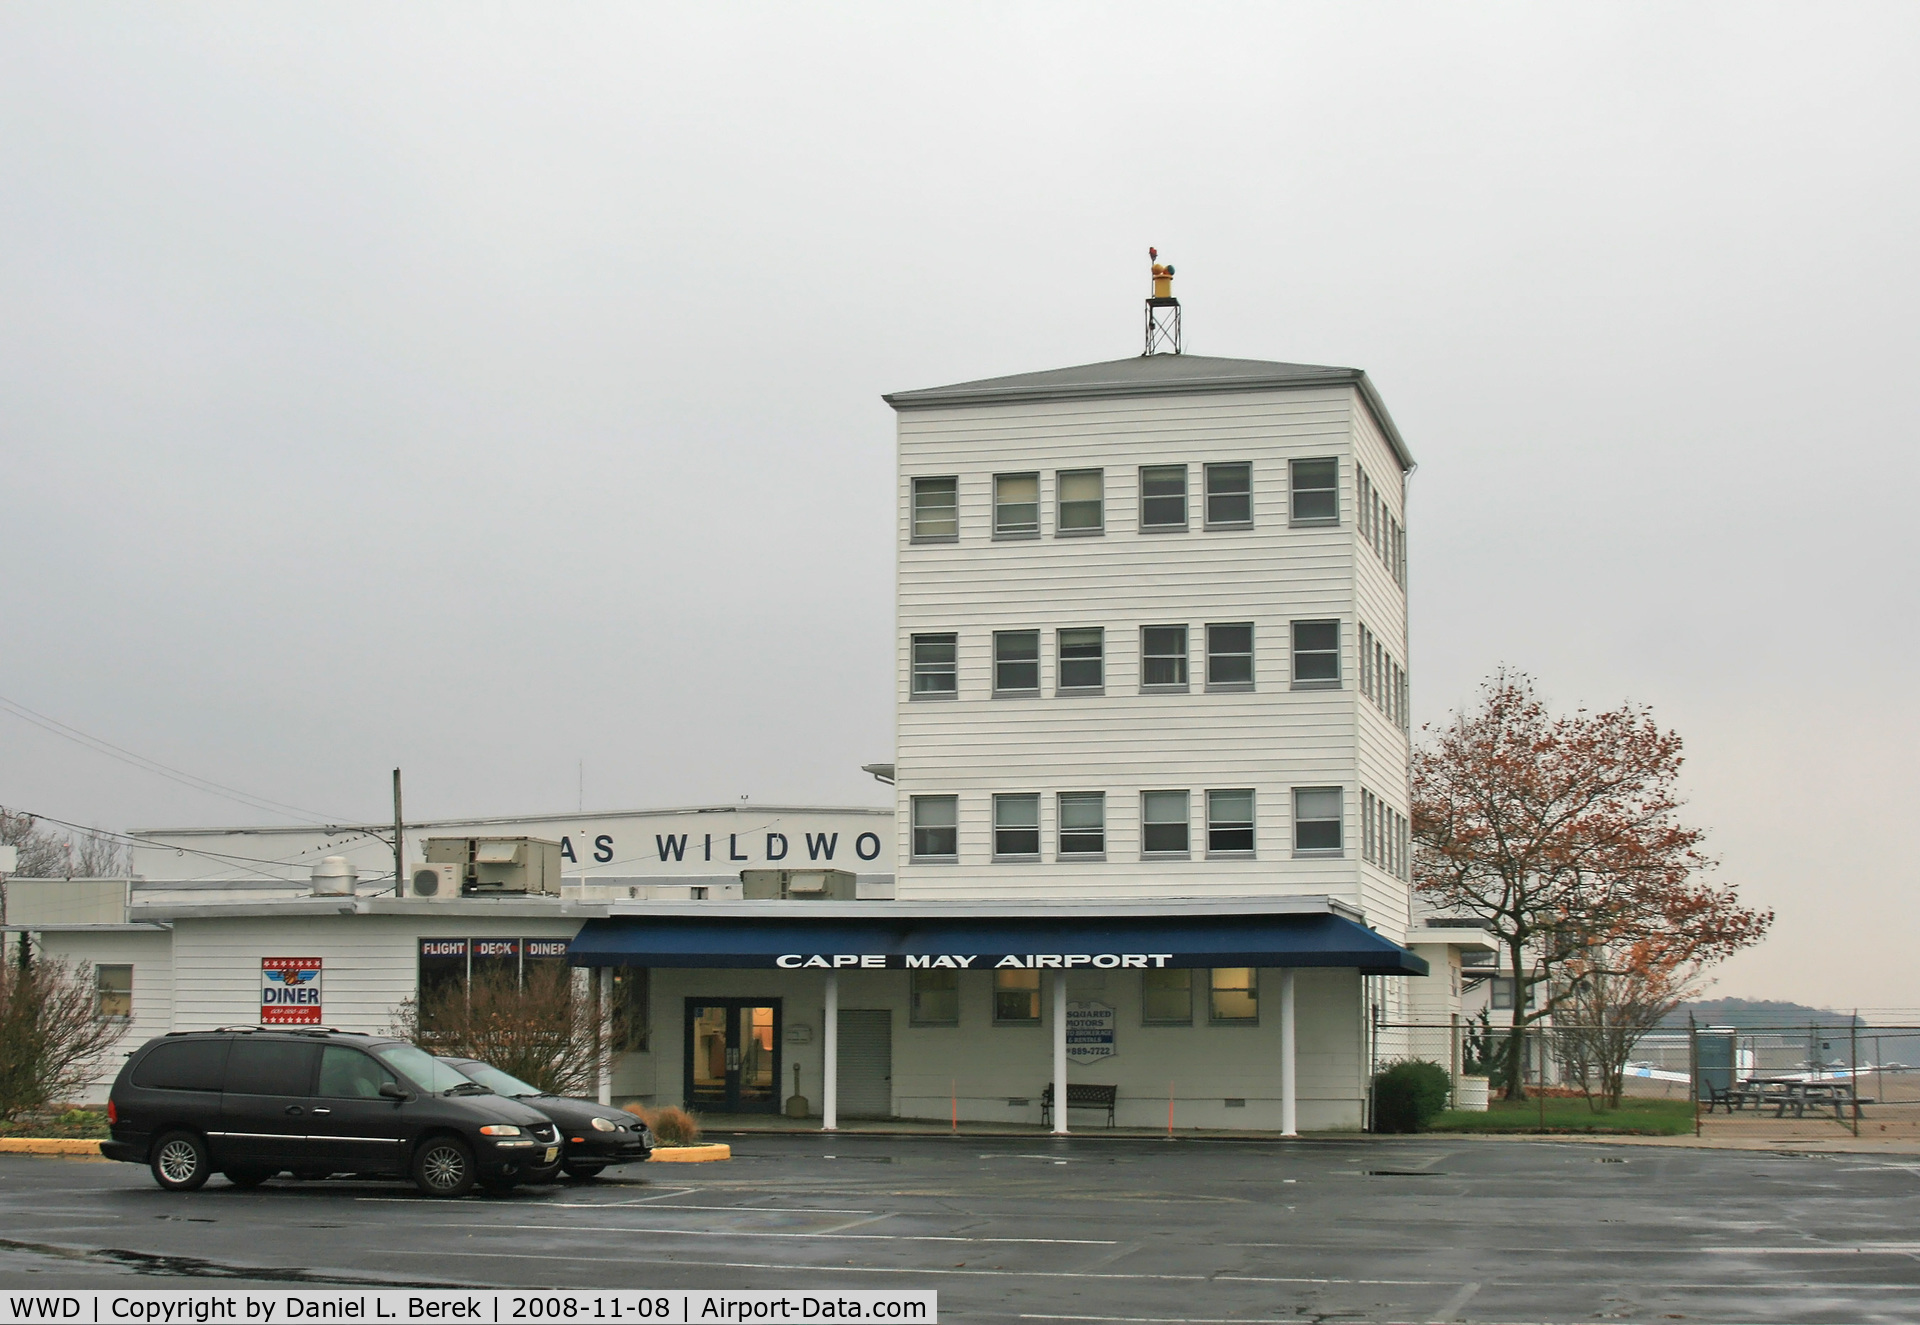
x: 553, y: 1153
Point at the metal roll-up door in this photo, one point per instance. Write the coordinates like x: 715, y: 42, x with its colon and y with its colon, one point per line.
x: 866, y: 1063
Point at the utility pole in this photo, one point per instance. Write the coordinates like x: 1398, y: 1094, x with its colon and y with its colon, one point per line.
x: 399, y: 842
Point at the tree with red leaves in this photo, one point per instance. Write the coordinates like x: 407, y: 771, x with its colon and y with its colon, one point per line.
x: 1562, y: 834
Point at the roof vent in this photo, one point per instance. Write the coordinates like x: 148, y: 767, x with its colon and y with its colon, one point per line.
x: 334, y: 877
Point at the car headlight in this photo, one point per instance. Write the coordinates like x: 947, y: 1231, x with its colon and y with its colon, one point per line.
x: 604, y: 1125
x: 499, y: 1129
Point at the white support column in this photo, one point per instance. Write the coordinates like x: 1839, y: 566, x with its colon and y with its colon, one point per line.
x: 604, y: 1006
x: 830, y: 1053
x: 1060, y: 1053
x: 1289, y: 1093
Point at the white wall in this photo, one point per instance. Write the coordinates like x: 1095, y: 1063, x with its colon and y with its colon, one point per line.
x: 149, y: 952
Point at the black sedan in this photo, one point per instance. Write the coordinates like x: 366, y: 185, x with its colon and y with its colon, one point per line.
x: 592, y: 1136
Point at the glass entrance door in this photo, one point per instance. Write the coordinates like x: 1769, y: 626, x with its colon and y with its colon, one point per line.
x: 733, y: 1054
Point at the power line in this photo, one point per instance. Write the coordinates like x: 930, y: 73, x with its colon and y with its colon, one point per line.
x: 66, y: 733
x: 225, y: 858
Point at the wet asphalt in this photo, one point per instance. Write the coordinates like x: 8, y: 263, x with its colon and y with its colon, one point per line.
x: 1083, y: 1229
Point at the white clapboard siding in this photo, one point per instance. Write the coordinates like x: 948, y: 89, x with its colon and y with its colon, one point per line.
x: 1124, y: 742
x: 150, y: 953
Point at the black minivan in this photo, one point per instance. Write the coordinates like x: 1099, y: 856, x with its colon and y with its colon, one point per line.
x: 254, y: 1102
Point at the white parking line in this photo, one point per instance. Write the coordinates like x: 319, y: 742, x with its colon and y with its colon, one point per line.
x: 734, y: 1233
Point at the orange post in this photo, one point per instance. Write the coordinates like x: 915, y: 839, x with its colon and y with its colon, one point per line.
x: 954, y: 1086
x: 1169, y: 1111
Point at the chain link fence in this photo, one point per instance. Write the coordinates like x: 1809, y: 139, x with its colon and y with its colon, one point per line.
x: 1774, y: 1082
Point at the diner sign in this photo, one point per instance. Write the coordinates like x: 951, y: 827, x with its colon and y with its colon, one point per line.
x: 290, y: 991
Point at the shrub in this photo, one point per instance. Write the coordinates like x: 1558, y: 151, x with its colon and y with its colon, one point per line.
x: 671, y: 1126
x: 1408, y: 1095
x: 537, y: 1028
x: 52, y: 1042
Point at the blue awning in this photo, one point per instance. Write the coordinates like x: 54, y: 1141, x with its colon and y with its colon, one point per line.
x: 1051, y: 942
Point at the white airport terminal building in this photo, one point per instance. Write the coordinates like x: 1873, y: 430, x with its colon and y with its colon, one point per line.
x: 1149, y: 826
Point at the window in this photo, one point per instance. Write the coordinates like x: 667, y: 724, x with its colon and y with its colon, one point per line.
x: 935, y: 666
x: 1316, y: 821
x: 1082, y: 659
x: 1316, y: 655
x: 1082, y: 502
x: 936, y: 827
x: 1229, y: 495
x: 632, y: 1009
x: 936, y: 510
x: 1016, y: 505
x: 113, y: 992
x: 1163, y: 496
x: 1501, y: 987
x: 936, y: 998
x: 271, y: 1067
x: 1083, y: 823
x: 1233, y: 995
x: 1016, y: 662
x: 1016, y: 997
x: 1316, y: 491
x: 1163, y: 823
x: 1163, y: 658
x: 1166, y: 998
x: 183, y: 1065
x: 348, y: 1074
x: 1230, y: 657
x: 1230, y: 823
x: 1016, y: 827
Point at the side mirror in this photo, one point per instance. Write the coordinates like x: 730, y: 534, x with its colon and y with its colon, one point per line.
x: 393, y: 1091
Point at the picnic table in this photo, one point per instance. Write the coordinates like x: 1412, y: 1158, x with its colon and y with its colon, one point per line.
x: 1800, y: 1094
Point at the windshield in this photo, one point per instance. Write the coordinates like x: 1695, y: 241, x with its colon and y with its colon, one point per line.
x: 426, y: 1071
x: 497, y: 1081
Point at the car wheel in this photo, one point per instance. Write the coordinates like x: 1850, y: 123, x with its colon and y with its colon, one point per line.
x: 247, y: 1177
x: 444, y: 1167
x: 180, y: 1162
x: 585, y: 1170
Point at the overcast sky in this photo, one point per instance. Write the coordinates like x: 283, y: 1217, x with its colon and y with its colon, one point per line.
x: 494, y: 390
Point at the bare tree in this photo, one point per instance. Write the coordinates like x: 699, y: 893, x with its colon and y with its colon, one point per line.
x: 539, y: 1029
x: 42, y: 855
x: 98, y: 856
x: 52, y: 1037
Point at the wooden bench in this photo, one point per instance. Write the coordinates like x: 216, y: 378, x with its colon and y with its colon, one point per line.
x: 1080, y: 1097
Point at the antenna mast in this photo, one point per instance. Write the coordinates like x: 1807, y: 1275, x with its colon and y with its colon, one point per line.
x: 1163, y: 310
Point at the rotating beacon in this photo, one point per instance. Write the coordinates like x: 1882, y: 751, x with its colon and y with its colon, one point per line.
x: 1163, y: 310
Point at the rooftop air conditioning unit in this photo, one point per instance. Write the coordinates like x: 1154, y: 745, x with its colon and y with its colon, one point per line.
x: 435, y: 882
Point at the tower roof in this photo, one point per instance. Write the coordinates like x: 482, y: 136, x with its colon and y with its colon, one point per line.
x: 1154, y: 375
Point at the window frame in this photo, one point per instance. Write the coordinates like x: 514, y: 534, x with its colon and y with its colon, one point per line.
x: 1060, y: 799
x: 1146, y: 979
x: 1006, y: 534
x: 1060, y: 529
x: 1014, y: 692
x: 1214, y: 989
x: 1184, y: 851
x: 914, y: 670
x: 1008, y: 797
x: 914, y: 536
x: 1186, y: 491
x: 1231, y: 687
x: 1294, y: 518
x: 101, y: 991
x: 1294, y: 653
x: 1339, y: 821
x: 914, y: 1014
x: 1207, y: 494
x: 914, y: 828
x: 1060, y: 686
x: 1252, y: 825
x: 1183, y: 685
x: 1039, y: 1013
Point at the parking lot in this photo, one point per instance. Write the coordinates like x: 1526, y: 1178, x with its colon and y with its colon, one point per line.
x: 1083, y: 1229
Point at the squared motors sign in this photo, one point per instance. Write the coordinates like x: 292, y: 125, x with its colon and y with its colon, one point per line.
x: 290, y: 991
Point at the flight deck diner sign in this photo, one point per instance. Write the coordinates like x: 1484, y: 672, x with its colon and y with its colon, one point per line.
x: 290, y: 991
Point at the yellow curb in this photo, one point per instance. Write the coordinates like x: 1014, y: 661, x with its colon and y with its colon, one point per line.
x: 47, y: 1145
x: 691, y: 1154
